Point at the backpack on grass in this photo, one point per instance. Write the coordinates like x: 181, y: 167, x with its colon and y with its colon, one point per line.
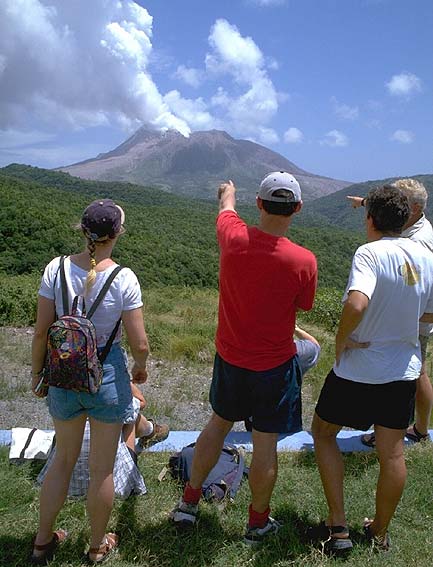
x: 72, y: 361
x: 224, y: 479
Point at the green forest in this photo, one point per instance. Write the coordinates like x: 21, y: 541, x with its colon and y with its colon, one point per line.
x: 169, y: 240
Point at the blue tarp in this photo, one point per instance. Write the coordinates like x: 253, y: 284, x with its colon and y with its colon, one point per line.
x: 347, y: 440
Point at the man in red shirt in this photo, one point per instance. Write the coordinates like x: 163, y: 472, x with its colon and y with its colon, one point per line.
x: 264, y: 279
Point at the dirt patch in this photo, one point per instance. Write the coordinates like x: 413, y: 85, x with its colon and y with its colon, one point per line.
x: 176, y: 393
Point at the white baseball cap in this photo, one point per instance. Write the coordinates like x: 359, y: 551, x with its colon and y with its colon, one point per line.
x: 280, y: 180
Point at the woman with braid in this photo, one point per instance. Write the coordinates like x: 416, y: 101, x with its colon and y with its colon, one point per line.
x: 85, y: 274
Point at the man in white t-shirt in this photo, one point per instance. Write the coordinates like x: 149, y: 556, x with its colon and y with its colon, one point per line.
x: 390, y: 289
x: 418, y: 229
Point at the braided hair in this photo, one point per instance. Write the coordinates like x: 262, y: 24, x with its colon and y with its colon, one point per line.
x: 91, y: 274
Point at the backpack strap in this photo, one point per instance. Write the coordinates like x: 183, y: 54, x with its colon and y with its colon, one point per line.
x: 239, y: 475
x: 103, y: 291
x: 65, y: 301
x: 99, y: 298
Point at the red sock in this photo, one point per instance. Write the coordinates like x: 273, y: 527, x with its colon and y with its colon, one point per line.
x: 191, y: 495
x: 258, y: 519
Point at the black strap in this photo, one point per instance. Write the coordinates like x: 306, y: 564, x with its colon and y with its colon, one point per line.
x: 103, y: 355
x: 65, y: 300
x: 103, y: 291
x: 99, y: 298
x: 75, y: 306
x: 27, y: 443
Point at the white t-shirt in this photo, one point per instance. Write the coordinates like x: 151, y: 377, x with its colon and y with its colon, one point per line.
x: 422, y: 232
x: 124, y: 294
x: 396, y: 274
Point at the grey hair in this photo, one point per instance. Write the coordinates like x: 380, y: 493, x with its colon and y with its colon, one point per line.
x: 414, y: 191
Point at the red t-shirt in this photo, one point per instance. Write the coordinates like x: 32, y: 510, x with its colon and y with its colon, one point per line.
x: 263, y: 280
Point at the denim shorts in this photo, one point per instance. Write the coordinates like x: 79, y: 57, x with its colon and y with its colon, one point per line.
x: 272, y: 397
x: 111, y: 404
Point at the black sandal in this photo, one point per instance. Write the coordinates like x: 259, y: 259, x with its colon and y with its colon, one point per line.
x: 416, y: 436
x: 333, y: 539
x: 49, y: 548
x: 379, y: 543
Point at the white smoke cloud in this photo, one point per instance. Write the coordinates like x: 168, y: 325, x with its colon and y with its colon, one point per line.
x: 71, y: 70
x: 404, y: 84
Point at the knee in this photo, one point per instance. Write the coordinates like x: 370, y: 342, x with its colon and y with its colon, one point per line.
x: 321, y: 430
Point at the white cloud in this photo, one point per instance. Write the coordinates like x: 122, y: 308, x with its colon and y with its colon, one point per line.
x: 74, y: 67
x: 403, y: 136
x: 249, y: 113
x: 335, y: 139
x: 189, y: 75
x: 193, y: 112
x: 266, y: 3
x: 404, y: 84
x: 293, y: 136
x: 344, y: 111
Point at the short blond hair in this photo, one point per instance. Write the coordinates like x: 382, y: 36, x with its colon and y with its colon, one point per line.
x: 414, y: 191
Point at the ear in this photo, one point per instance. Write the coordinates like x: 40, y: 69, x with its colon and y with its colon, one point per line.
x: 259, y: 203
x: 298, y: 207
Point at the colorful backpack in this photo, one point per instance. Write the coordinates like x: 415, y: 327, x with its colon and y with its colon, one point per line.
x: 72, y: 361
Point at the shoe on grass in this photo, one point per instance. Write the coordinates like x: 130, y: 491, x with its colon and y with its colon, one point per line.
x: 414, y: 435
x: 159, y: 433
x: 334, y: 539
x: 369, y: 440
x: 254, y: 536
x: 378, y: 543
x: 184, y: 514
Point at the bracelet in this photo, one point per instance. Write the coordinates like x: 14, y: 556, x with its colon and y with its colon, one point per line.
x: 38, y: 374
x: 363, y: 202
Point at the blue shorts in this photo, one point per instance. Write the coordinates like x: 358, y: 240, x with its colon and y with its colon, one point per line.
x: 111, y: 404
x: 272, y: 397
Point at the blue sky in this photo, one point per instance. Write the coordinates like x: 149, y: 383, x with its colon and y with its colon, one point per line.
x: 340, y: 87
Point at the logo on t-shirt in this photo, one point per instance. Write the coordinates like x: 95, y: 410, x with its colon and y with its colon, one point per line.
x: 410, y: 273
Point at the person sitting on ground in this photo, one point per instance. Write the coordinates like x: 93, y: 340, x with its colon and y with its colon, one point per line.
x: 85, y: 274
x: 146, y: 430
x: 308, y: 350
x: 390, y: 288
x: 420, y: 230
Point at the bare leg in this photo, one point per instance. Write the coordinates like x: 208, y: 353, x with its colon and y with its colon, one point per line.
x: 392, y: 476
x: 69, y: 437
x: 331, y: 468
x: 263, y: 469
x: 208, y: 449
x: 423, y: 401
x: 104, y: 438
x: 128, y: 434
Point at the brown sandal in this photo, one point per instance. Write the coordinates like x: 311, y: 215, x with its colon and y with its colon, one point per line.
x: 49, y: 548
x: 106, y: 549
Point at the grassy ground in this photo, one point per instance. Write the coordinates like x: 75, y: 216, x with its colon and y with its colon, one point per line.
x: 147, y: 539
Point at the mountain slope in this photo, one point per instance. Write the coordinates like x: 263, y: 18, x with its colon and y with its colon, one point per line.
x: 196, y: 165
x: 169, y: 240
x: 336, y: 210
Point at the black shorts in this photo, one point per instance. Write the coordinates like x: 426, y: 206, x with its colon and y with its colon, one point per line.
x: 357, y: 405
x: 272, y: 397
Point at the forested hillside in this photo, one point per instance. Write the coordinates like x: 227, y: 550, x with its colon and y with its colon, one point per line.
x: 336, y: 210
x: 170, y: 241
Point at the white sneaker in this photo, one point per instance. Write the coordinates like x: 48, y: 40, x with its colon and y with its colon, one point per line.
x: 253, y: 536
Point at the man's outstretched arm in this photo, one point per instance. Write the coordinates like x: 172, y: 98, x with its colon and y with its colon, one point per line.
x: 226, y: 196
